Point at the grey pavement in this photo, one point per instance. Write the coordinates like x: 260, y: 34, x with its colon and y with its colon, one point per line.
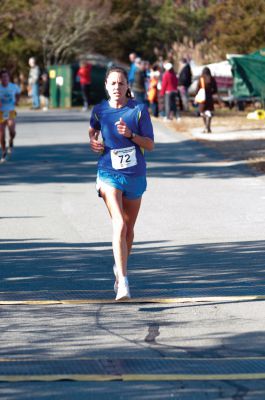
x: 200, y: 235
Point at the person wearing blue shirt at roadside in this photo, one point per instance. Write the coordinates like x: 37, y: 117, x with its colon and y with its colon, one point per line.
x: 132, y: 58
x: 126, y: 130
x: 9, y: 97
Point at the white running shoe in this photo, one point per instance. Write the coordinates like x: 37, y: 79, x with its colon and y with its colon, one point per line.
x: 123, y: 290
x: 3, y: 159
x: 115, y: 271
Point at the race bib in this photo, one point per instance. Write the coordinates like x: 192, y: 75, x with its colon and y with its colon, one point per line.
x: 123, y: 158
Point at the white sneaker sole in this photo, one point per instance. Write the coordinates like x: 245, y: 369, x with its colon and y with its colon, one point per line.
x: 123, y: 293
x: 126, y: 296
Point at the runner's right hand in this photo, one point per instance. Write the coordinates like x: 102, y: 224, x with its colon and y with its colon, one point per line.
x: 96, y: 145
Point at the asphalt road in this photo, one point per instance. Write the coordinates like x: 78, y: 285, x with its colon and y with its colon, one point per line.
x: 195, y: 326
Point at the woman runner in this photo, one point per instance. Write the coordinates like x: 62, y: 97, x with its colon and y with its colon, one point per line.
x: 127, y: 131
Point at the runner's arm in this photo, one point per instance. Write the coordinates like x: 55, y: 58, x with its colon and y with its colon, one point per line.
x: 95, y: 145
x: 142, y: 141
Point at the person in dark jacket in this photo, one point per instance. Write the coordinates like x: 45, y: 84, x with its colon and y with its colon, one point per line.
x: 185, y: 79
x: 138, y: 86
x: 45, y: 90
x: 206, y: 108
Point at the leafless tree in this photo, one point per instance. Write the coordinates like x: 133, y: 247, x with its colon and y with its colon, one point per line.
x: 67, y: 28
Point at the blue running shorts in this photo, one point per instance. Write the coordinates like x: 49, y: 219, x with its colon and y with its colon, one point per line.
x: 132, y: 187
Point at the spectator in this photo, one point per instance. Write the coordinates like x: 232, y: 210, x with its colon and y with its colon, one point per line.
x: 161, y: 105
x: 84, y: 74
x: 147, y: 71
x: 206, y: 108
x: 23, y: 84
x: 152, y: 93
x: 45, y: 90
x: 132, y: 58
x: 33, y: 80
x: 138, y: 86
x: 169, y: 91
x: 160, y: 63
x: 184, y: 82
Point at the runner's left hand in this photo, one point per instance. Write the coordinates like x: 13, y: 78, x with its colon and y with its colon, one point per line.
x: 122, y: 128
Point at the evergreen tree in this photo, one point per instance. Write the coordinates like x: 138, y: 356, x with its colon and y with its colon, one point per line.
x: 238, y: 25
x: 16, y: 46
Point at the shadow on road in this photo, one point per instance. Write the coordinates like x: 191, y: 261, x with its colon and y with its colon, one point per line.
x: 189, y: 390
x: 189, y: 159
x: 75, y: 163
x: 51, y: 117
x: 212, y: 269
x: 61, y: 163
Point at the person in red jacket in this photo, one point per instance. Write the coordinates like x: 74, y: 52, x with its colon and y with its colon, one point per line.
x: 84, y: 74
x: 169, y: 91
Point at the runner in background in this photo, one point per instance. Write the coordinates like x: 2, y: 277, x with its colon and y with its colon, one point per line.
x: 127, y: 131
x: 9, y: 97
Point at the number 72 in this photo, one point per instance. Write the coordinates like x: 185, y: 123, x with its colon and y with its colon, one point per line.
x: 127, y: 158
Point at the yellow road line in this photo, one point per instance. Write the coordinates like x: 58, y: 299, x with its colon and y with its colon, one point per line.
x: 130, y: 377
x: 135, y: 300
x: 134, y: 376
x: 191, y: 377
x: 59, y: 377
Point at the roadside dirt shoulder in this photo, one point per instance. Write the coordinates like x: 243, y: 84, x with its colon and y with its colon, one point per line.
x: 236, y: 137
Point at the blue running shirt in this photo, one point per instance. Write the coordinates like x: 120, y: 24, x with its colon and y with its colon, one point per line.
x: 120, y: 154
x: 8, y: 96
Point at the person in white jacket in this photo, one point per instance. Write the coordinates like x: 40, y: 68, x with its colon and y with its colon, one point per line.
x: 33, y: 80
